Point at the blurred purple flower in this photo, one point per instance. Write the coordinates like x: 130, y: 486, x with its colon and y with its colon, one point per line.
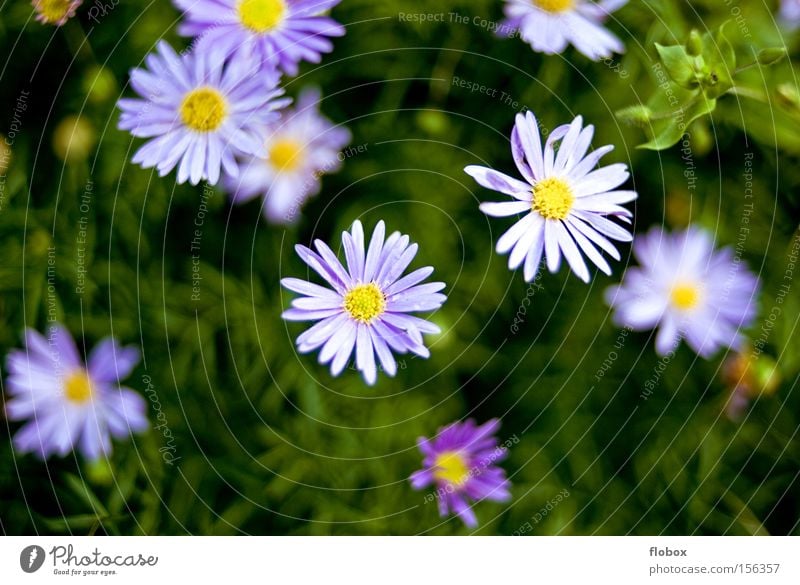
x: 68, y: 405
x: 462, y: 462
x: 275, y: 33
x: 790, y: 13
x: 56, y: 12
x: 300, y: 148
x: 198, y: 113
x: 686, y: 289
x: 367, y: 310
x: 550, y: 25
x: 565, y: 202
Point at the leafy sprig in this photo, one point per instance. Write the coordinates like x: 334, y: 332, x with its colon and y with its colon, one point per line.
x: 691, y: 78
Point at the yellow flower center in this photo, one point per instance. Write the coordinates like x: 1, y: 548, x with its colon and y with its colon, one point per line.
x: 451, y: 467
x: 365, y: 302
x: 53, y: 10
x: 204, y: 109
x: 261, y: 15
x: 78, y: 387
x: 554, y: 5
x: 552, y: 198
x: 286, y: 155
x: 685, y: 296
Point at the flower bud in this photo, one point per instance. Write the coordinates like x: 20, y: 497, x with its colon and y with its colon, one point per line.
x: 99, y: 84
x: 771, y: 56
x: 74, y: 139
x: 635, y: 115
x: 694, y: 46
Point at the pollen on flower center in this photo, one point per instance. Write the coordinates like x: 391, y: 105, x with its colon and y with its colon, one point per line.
x: 554, y: 5
x: 451, y: 467
x: 53, y: 10
x: 365, y: 302
x: 685, y: 296
x: 78, y: 387
x: 204, y: 109
x: 552, y: 198
x: 286, y: 155
x: 261, y: 15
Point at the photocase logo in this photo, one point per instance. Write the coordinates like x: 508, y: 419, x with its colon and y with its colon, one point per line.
x: 31, y: 558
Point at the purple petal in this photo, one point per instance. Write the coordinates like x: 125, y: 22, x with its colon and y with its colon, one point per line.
x: 109, y: 362
x: 497, y: 181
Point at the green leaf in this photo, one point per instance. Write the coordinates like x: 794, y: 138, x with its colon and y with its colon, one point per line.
x: 680, y: 65
x: 721, y: 59
x: 668, y: 132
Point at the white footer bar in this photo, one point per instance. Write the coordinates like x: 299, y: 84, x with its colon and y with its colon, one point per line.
x: 401, y: 560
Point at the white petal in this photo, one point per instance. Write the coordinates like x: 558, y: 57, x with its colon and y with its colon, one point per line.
x: 551, y: 249
x: 497, y: 181
x: 505, y: 208
x: 571, y: 252
x: 528, y: 240
x: 514, y: 233
x: 567, y: 145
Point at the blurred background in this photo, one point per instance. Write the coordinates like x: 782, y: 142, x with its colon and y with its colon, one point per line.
x: 249, y: 437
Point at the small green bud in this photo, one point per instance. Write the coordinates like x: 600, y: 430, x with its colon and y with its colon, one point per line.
x: 694, y: 46
x: 771, y: 56
x: 99, y: 472
x: 767, y: 376
x: 74, y: 139
x: 433, y: 122
x: 702, y: 139
x: 99, y: 84
x: 635, y: 115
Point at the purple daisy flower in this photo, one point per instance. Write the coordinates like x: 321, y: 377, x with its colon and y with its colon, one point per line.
x: 367, y: 308
x: 688, y: 290
x: 566, y: 204
x: 550, y: 25
x: 278, y: 33
x: 68, y: 405
x: 56, y: 12
x: 462, y: 462
x: 198, y: 114
x: 299, y: 150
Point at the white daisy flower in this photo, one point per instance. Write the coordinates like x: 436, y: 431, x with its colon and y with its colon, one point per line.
x: 550, y: 25
x: 566, y: 204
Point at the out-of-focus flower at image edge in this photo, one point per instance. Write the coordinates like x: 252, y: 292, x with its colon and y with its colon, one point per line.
x: 688, y: 290
x: 68, y: 405
x: 56, y: 12
x: 368, y: 307
x: 274, y: 33
x: 790, y: 13
x: 550, y: 25
x: 461, y: 461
